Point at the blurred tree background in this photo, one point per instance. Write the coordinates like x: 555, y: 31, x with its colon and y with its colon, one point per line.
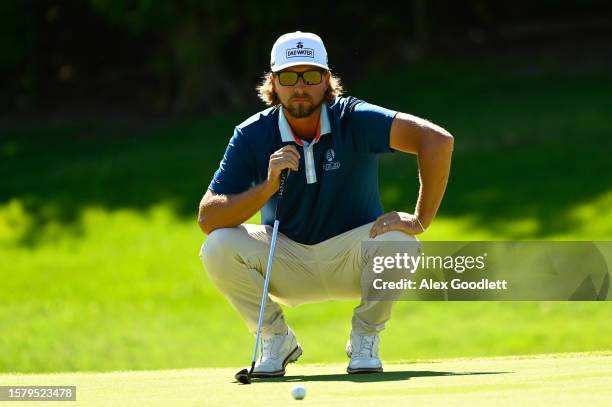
x: 165, y: 58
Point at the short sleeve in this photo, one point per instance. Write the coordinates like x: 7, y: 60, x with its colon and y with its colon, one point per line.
x: 235, y: 173
x: 371, y: 128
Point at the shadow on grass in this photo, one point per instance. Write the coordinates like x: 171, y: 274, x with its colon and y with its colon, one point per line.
x: 371, y: 377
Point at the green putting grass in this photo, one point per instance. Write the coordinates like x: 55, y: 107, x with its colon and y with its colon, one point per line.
x: 580, y: 379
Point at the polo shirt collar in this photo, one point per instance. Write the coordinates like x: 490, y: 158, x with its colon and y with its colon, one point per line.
x: 285, y: 129
x: 287, y: 137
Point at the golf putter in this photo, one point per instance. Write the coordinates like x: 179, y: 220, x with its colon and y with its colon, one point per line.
x: 244, y: 376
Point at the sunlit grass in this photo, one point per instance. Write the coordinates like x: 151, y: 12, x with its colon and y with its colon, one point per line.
x: 125, y: 289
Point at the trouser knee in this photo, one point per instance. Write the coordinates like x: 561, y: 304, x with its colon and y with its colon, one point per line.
x: 389, y: 261
x: 219, y: 247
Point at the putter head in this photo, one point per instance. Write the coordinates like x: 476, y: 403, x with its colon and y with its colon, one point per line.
x: 243, y: 376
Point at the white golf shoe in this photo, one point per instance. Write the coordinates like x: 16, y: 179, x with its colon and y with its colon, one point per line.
x: 363, y: 351
x: 276, y: 352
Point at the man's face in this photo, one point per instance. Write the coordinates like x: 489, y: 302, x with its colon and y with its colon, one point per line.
x: 301, y: 100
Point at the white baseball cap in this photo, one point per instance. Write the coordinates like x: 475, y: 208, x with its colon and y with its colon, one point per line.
x: 298, y: 48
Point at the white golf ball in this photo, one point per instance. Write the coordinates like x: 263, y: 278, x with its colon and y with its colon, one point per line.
x: 298, y: 392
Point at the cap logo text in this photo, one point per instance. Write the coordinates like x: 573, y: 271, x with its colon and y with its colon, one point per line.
x: 299, y: 51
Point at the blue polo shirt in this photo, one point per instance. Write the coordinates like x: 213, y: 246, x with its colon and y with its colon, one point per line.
x: 336, y: 187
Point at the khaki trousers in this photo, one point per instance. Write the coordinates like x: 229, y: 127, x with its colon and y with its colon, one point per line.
x: 236, y: 260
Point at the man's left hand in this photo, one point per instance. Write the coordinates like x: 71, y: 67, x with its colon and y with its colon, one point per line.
x: 399, y: 221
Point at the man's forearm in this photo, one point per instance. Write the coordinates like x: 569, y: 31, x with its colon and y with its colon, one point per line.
x: 219, y: 211
x: 434, y: 158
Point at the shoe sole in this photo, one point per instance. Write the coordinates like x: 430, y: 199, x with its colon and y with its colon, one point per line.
x: 291, y: 358
x: 364, y: 370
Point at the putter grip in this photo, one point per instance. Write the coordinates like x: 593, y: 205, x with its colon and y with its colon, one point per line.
x: 283, y: 180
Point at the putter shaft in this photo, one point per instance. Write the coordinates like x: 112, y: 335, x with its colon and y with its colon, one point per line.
x: 264, y: 296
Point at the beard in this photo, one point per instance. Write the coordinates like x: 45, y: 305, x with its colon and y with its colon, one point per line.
x: 299, y: 110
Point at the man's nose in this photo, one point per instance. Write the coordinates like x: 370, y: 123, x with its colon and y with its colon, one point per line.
x: 300, y: 83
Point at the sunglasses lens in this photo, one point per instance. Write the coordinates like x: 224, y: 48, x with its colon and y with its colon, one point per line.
x: 287, y: 78
x: 312, y: 77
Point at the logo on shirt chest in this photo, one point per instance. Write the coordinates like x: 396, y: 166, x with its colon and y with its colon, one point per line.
x: 330, y: 164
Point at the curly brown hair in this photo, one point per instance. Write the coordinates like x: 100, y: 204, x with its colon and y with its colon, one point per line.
x: 265, y: 89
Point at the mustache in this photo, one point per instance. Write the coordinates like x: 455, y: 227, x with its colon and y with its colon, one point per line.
x: 301, y: 97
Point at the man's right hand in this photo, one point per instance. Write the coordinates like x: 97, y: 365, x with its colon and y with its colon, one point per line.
x: 224, y: 211
x: 286, y: 157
